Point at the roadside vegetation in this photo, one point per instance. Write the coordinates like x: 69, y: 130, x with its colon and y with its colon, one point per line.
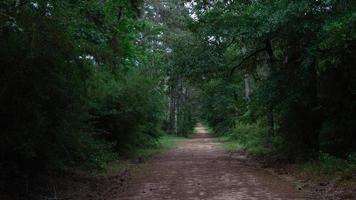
x: 164, y: 144
x: 329, y: 165
x: 82, y: 84
x: 279, y: 78
x: 87, y: 83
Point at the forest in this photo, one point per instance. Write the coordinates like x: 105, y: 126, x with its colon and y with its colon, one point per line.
x: 85, y: 83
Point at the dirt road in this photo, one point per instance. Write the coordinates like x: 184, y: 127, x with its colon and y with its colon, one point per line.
x: 201, y: 169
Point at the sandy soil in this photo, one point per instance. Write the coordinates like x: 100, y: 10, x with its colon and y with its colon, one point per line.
x: 201, y: 169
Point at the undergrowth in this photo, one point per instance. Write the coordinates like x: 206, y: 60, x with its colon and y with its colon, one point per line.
x: 228, y: 144
x: 164, y: 144
x: 251, y: 138
x: 327, y: 164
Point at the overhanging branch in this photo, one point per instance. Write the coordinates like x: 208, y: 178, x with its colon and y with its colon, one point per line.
x: 246, y: 58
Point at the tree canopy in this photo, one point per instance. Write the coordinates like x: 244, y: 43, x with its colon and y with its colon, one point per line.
x: 84, y: 83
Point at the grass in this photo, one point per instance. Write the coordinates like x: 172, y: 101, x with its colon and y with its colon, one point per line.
x: 232, y: 146
x: 330, y: 166
x: 165, y: 143
x: 210, y: 130
x: 228, y: 144
x: 248, y: 137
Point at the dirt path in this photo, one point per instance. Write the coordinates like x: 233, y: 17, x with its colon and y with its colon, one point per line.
x: 201, y: 169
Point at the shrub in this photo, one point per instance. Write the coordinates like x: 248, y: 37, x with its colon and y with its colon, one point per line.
x: 330, y: 165
x: 128, y: 112
x: 252, y: 137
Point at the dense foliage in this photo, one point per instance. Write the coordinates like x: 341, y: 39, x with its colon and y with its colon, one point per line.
x: 78, y: 88
x: 85, y: 82
x: 284, y: 66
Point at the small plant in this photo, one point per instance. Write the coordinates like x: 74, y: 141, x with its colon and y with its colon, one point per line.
x: 163, y: 144
x: 352, y: 162
x: 232, y: 146
x: 251, y: 137
x: 330, y: 165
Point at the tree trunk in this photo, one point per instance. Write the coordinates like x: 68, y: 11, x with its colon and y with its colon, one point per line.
x: 180, y: 107
x: 247, y: 87
x: 172, y: 110
x: 246, y: 78
x: 270, y: 120
x: 268, y: 67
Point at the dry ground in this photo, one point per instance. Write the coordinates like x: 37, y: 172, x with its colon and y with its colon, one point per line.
x: 201, y: 169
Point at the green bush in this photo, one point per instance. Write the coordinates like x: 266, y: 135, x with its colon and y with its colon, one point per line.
x: 74, y: 90
x: 96, y: 153
x: 352, y: 162
x: 330, y: 165
x: 128, y: 111
x: 252, y: 137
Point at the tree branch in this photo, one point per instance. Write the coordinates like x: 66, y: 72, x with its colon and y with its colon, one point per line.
x: 233, y: 40
x: 246, y: 58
